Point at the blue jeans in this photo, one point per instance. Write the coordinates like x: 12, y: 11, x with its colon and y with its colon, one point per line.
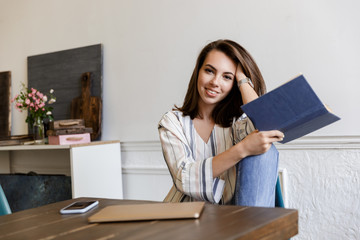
x: 256, y: 178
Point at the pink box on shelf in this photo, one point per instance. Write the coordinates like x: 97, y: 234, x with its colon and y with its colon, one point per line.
x: 69, y: 139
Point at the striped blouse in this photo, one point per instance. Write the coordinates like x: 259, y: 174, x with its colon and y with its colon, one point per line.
x: 189, y: 158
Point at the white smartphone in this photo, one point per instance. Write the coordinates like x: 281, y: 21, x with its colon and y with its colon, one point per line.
x: 79, y: 207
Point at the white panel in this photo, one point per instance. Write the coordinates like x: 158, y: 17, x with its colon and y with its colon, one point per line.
x: 96, y: 171
x: 146, y: 184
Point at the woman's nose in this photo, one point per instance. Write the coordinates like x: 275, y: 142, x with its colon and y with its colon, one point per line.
x: 215, y: 80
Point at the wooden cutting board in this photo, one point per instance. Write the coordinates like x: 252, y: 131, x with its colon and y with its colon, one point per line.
x: 5, y: 104
x: 88, y: 107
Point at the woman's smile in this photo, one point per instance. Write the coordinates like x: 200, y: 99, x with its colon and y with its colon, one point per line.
x: 211, y: 93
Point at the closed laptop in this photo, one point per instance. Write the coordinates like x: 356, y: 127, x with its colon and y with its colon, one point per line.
x: 148, y: 211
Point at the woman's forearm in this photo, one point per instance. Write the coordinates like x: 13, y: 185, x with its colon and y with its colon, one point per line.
x: 248, y: 94
x: 227, y: 159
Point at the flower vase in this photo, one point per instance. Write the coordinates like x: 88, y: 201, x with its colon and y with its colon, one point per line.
x: 38, y: 131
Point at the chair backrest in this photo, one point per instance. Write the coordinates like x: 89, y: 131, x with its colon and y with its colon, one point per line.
x: 4, y: 205
x: 279, y: 202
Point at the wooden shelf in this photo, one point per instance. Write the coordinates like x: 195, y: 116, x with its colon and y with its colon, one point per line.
x: 95, y: 168
x: 49, y: 147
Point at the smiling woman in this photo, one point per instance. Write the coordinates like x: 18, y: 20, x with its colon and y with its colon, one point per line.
x: 211, y: 148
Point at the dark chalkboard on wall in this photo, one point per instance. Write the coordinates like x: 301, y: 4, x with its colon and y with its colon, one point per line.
x: 62, y: 72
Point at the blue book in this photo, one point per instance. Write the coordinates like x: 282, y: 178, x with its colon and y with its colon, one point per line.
x: 293, y: 108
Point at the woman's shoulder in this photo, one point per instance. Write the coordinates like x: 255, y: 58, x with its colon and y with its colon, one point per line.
x: 171, y: 121
x: 173, y: 116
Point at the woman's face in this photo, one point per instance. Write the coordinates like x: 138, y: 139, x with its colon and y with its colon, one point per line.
x: 215, y: 79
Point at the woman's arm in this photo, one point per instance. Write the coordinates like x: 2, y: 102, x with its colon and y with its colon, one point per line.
x: 253, y: 144
x: 247, y: 92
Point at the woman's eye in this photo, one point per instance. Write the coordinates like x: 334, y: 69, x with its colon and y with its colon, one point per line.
x: 228, y: 77
x: 208, y: 70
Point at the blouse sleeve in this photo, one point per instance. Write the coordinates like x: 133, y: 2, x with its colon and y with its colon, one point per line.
x: 193, y: 178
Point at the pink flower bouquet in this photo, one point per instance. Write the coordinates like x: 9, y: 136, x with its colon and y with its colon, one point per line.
x: 35, y: 102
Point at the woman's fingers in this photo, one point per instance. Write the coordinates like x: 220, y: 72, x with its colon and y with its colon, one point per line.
x: 239, y: 73
x: 259, y: 142
x: 273, y: 135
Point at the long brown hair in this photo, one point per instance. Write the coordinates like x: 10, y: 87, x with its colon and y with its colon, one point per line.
x: 229, y: 107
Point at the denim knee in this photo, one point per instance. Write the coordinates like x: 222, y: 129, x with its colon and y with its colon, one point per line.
x: 256, y: 179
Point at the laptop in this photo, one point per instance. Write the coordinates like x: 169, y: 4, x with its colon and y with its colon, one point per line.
x: 148, y: 211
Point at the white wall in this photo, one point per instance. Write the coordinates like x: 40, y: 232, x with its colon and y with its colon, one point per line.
x: 150, y: 48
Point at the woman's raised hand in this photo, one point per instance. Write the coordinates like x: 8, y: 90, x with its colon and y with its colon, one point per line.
x: 239, y: 73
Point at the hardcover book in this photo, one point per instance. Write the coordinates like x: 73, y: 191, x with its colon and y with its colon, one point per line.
x: 293, y: 108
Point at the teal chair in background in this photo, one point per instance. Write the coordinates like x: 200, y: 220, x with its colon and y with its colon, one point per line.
x: 279, y: 202
x: 4, y: 205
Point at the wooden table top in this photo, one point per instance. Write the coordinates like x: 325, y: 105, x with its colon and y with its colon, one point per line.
x: 216, y: 222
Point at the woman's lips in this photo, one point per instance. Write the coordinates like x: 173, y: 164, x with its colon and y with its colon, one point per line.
x: 211, y: 93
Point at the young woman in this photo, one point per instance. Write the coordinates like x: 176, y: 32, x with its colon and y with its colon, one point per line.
x: 211, y: 148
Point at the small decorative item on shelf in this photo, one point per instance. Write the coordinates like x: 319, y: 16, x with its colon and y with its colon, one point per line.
x: 69, y: 131
x: 35, y: 102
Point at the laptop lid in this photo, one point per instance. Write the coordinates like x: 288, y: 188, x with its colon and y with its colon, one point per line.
x: 148, y: 211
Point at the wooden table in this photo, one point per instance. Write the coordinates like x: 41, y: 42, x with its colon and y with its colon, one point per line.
x: 216, y: 222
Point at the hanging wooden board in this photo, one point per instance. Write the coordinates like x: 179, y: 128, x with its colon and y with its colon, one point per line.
x: 5, y: 104
x: 62, y: 72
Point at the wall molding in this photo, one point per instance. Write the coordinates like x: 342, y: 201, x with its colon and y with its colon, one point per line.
x: 141, y: 146
x: 146, y: 170
x: 306, y: 143
x: 322, y: 142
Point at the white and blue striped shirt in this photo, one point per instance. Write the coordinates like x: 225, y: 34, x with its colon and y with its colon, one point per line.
x: 189, y: 158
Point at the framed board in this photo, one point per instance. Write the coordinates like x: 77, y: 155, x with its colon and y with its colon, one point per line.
x: 62, y: 71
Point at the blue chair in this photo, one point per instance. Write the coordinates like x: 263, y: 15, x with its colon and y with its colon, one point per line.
x: 279, y: 202
x: 4, y: 205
